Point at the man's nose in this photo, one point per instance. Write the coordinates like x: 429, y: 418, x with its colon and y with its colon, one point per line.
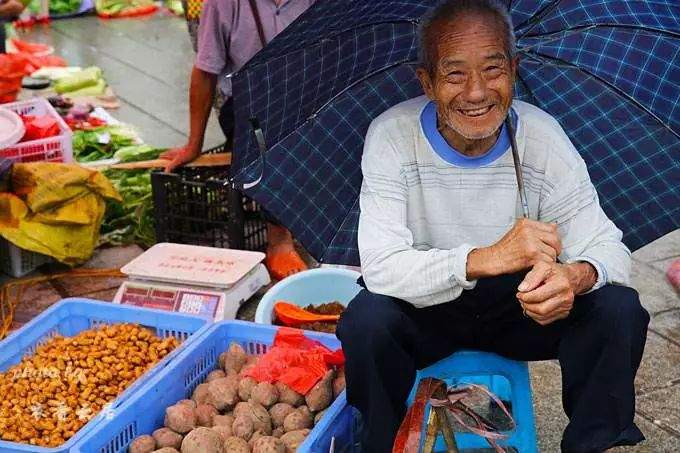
x: 475, y: 91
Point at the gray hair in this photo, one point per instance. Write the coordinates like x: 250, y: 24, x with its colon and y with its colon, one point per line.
x: 449, y: 10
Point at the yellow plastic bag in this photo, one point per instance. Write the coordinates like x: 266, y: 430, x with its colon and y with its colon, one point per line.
x: 56, y: 210
x: 46, y: 185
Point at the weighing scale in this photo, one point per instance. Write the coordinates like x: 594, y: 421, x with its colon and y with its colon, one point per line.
x: 203, y: 281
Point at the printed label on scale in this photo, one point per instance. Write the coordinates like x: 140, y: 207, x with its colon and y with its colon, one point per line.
x: 180, y: 300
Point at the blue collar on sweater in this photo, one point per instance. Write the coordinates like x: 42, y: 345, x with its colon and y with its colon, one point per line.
x: 428, y: 121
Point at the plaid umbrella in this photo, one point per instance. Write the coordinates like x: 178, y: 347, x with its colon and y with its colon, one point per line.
x: 609, y: 71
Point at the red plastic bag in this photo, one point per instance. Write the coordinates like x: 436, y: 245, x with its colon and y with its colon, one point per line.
x: 13, y: 68
x: 295, y: 360
x: 39, y: 127
x: 31, y: 47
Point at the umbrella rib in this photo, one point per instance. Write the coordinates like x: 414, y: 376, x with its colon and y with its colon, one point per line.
x: 356, y: 82
x: 528, y: 89
x: 536, y: 19
x: 337, y: 232
x: 327, y: 38
x: 560, y: 34
x: 563, y: 63
x: 313, y: 115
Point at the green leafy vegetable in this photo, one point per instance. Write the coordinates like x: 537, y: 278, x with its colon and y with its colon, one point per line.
x: 101, y: 143
x: 64, y: 6
x: 78, y: 80
x: 132, y: 220
x: 137, y: 153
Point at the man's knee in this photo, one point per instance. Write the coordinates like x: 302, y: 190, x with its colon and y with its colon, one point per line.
x: 621, y: 305
x: 370, y: 322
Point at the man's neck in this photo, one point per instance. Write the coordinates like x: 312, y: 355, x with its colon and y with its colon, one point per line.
x: 468, y: 147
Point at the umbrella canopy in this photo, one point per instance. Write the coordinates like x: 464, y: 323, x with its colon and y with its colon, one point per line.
x: 608, y: 71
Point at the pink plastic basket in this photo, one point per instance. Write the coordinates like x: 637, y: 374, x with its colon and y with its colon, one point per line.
x: 52, y: 149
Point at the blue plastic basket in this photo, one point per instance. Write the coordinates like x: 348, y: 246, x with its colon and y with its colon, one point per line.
x: 71, y: 316
x: 145, y: 410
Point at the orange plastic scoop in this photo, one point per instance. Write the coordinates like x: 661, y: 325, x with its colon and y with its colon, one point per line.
x: 292, y: 315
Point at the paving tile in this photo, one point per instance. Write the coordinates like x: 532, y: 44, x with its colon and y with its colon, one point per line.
x: 546, y: 385
x: 35, y: 299
x: 662, y: 406
x: 668, y: 325
x: 656, y: 294
x: 665, y: 247
x: 106, y: 295
x: 113, y: 257
x: 660, y: 365
x: 550, y: 419
x: 81, y: 286
x: 657, y: 440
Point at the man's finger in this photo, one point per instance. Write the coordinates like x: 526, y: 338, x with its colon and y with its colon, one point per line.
x: 547, y: 315
x: 541, y: 294
x: 174, y: 163
x: 549, y: 252
x: 556, y: 317
x: 542, y: 226
x: 169, y: 154
x: 552, y: 240
x: 537, y: 275
x: 544, y: 309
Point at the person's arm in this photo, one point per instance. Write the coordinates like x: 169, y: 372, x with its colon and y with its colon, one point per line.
x: 588, y: 235
x: 390, y: 263
x: 592, y: 255
x: 211, y: 59
x: 10, y: 9
x: 201, y: 96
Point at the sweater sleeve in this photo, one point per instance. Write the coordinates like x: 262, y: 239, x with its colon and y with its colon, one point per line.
x: 587, y: 233
x: 390, y: 264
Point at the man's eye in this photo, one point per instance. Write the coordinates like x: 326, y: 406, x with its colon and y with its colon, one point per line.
x: 493, y: 68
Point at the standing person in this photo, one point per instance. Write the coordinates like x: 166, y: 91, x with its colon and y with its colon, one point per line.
x: 9, y: 10
x: 446, y: 265
x: 230, y: 33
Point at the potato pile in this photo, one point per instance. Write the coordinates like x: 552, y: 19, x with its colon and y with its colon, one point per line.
x: 53, y: 392
x: 230, y: 413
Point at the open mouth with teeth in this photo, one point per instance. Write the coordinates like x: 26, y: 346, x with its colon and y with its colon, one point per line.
x: 475, y: 113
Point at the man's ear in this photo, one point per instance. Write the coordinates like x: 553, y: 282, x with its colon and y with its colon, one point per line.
x: 426, y: 81
x: 514, y: 66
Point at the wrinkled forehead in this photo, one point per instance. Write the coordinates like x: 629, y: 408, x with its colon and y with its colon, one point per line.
x: 469, y: 38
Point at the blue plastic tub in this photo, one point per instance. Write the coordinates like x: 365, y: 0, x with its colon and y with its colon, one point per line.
x: 312, y: 287
x: 145, y: 410
x: 71, y: 316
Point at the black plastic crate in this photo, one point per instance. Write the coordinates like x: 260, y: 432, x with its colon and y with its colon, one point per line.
x: 194, y: 206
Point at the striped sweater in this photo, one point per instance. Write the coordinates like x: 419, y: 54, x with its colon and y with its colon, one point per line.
x: 424, y: 206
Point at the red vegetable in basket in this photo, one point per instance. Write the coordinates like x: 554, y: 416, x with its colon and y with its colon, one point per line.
x: 30, y: 47
x: 39, y: 127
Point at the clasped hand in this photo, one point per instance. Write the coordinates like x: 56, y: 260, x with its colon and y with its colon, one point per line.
x: 546, y: 294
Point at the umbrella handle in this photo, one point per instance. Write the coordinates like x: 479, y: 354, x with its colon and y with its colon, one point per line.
x: 518, y: 168
x: 262, y: 146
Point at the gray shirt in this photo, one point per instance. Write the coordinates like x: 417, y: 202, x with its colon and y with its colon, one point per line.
x: 421, y: 215
x: 228, y: 37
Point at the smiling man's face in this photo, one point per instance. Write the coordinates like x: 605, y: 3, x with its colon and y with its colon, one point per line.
x: 471, y: 79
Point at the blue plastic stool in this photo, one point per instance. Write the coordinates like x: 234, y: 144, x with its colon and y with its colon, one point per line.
x: 508, y: 379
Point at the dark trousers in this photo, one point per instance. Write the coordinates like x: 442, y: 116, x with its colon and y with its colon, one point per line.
x: 599, y: 347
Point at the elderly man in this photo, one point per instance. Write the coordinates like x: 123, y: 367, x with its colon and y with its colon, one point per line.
x: 230, y: 33
x: 447, y: 265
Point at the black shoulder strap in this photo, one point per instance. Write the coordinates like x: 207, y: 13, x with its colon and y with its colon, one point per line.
x: 258, y: 22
